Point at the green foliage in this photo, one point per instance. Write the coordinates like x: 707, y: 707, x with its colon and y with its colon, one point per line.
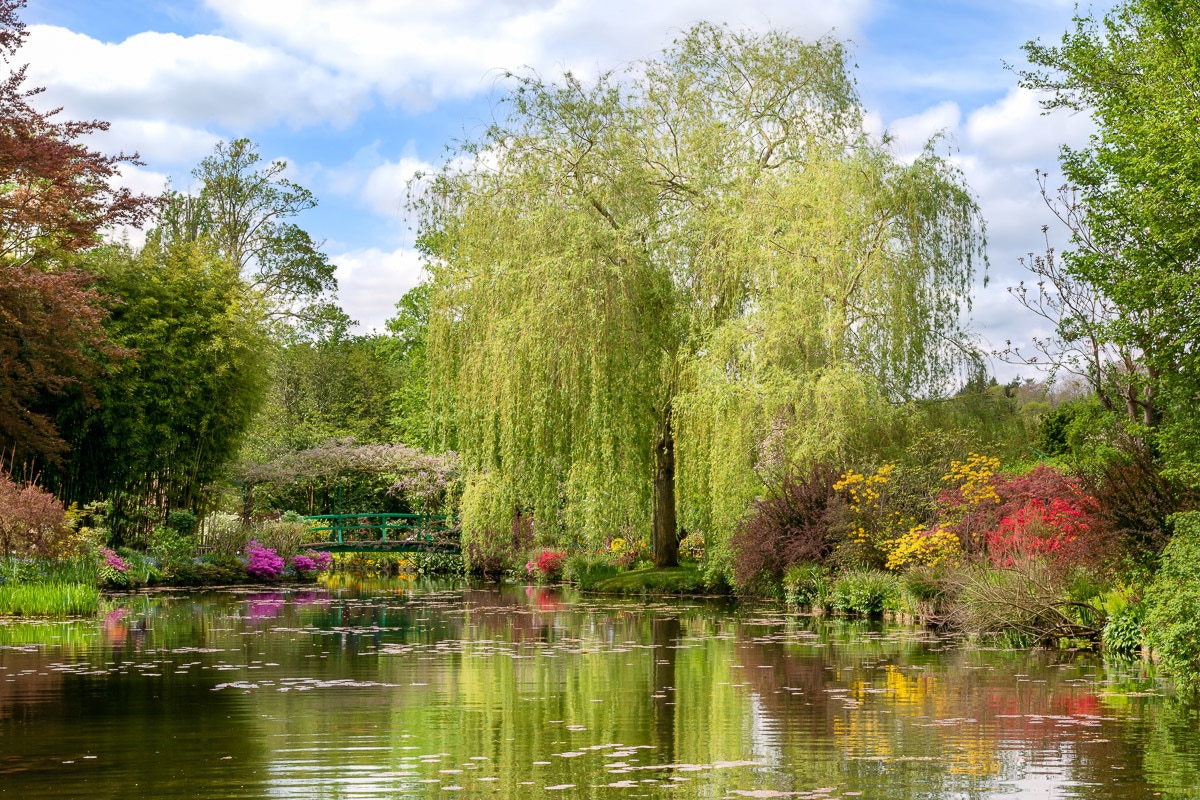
x: 172, y: 414
x: 806, y: 586
x: 1173, y: 603
x: 866, y: 592
x: 243, y: 211
x: 709, y: 261
x: 432, y: 563
x: 1134, y: 208
x: 1124, y: 624
x: 182, y: 521
x: 406, y: 350
x: 652, y: 581
x: 172, y: 550
x: 56, y: 599
x: 585, y: 570
x: 222, y: 534
x: 329, y: 388
x: 285, y: 538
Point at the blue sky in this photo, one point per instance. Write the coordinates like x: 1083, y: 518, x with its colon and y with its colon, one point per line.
x: 357, y: 94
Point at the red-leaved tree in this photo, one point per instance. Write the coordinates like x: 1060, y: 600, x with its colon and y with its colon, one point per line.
x: 56, y: 196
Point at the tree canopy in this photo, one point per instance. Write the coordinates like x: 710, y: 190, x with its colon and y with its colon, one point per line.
x: 709, y: 259
x: 244, y: 211
x: 56, y: 197
x: 1133, y: 203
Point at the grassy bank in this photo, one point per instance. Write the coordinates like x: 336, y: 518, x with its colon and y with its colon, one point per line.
x: 674, y: 580
x: 49, y: 599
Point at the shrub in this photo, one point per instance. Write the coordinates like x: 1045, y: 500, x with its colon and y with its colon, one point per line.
x: 492, y: 553
x: 930, y: 594
x: 32, y: 520
x: 173, y: 550
x: 547, y: 565
x: 184, y: 522
x: 434, y: 563
x: 866, y: 592
x: 923, y: 548
x: 1124, y: 627
x: 585, y: 570
x: 311, y: 561
x: 1173, y: 603
x: 113, y: 569
x: 263, y: 562
x: 691, y: 547
x: 1031, y: 597
x: 806, y: 586
x: 222, y: 534
x: 285, y: 537
x: 789, y: 526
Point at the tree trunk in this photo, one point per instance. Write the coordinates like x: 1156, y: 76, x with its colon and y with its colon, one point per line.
x: 666, y: 537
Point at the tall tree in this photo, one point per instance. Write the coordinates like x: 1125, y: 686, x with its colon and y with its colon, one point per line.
x: 56, y: 196
x: 706, y: 260
x: 244, y: 208
x: 173, y: 412
x: 1134, y: 203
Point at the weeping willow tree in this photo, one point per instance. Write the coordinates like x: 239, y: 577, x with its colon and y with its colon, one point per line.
x: 708, y: 261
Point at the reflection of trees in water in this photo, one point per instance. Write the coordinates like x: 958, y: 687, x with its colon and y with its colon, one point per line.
x: 958, y: 721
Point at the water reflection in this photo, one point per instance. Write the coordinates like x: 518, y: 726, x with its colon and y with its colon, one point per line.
x: 406, y: 689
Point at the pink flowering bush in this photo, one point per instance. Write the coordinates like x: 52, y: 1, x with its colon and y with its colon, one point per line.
x: 311, y: 561
x: 113, y: 568
x: 263, y: 562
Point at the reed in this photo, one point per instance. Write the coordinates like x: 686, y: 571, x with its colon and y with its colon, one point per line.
x: 54, y: 599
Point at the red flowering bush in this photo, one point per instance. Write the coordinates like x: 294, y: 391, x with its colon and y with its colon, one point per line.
x: 548, y: 565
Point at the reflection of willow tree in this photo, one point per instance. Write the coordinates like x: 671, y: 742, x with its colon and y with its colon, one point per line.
x: 665, y: 638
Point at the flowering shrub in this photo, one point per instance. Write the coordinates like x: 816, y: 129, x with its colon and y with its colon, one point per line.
x: 547, y: 565
x: 113, y: 568
x: 691, y: 547
x: 1039, y: 528
x: 311, y: 561
x: 924, y: 548
x: 32, y: 520
x: 263, y: 562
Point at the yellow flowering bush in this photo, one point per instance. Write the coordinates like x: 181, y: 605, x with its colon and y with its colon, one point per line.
x: 925, y: 548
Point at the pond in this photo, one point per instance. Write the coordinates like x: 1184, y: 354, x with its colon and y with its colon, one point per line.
x: 396, y: 689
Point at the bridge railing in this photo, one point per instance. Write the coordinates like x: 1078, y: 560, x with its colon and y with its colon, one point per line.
x: 349, y: 529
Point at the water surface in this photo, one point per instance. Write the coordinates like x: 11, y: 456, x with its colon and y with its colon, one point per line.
x: 394, y: 689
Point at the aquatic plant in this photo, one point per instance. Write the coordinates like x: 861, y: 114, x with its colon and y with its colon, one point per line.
x: 49, y: 599
x: 866, y: 592
x: 806, y: 585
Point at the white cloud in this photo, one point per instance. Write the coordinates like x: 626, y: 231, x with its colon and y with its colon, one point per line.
x: 191, y: 81
x: 910, y: 134
x: 156, y: 141
x: 1015, y: 129
x: 417, y: 52
x: 370, y: 281
x: 386, y: 187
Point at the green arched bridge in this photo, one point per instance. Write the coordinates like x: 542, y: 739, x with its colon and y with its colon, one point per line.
x: 385, y: 533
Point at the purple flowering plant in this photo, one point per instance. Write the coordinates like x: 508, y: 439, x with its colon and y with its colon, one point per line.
x: 311, y: 561
x: 263, y: 562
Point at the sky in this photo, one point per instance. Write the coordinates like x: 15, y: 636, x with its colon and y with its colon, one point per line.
x: 357, y: 95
